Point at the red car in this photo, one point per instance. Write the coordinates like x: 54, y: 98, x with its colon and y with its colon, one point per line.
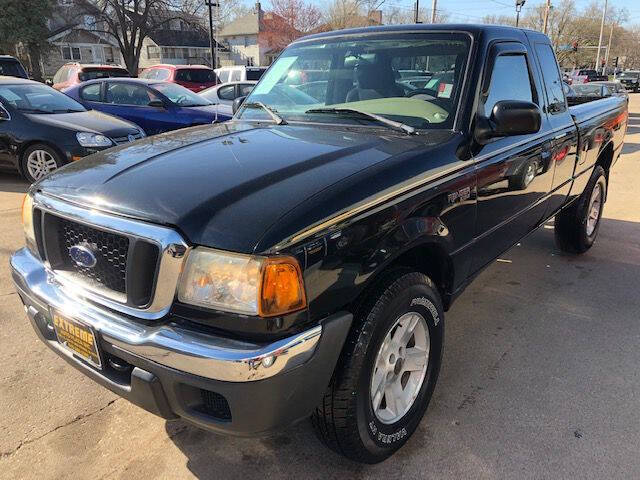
x: 71, y: 74
x: 193, y: 77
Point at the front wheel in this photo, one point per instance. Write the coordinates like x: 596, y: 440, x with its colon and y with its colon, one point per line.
x: 387, y: 371
x: 38, y: 161
x: 576, y: 227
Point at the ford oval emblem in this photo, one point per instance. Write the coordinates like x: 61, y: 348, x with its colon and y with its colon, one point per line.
x: 83, y: 256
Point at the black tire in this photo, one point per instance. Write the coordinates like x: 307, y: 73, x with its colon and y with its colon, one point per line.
x: 346, y: 421
x: 571, y: 225
x: 24, y: 159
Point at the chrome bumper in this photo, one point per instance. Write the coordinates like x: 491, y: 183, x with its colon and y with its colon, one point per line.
x: 167, y: 344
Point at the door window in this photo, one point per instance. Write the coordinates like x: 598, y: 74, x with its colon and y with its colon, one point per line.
x: 91, y: 93
x: 223, y: 75
x: 227, y: 93
x: 552, y: 80
x: 128, y: 94
x: 235, y: 76
x: 510, y: 80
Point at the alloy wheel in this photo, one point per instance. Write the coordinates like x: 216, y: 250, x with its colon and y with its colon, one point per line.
x: 595, y: 207
x: 400, y: 367
x: 40, y: 163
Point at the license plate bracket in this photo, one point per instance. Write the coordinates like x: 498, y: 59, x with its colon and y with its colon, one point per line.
x: 79, y: 339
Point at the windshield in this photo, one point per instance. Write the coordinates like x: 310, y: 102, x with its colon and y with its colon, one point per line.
x: 370, y: 75
x: 633, y: 75
x: 11, y: 68
x: 93, y: 73
x: 196, y: 75
x: 34, y: 98
x: 180, y: 95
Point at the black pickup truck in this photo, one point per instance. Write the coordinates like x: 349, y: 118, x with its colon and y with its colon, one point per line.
x: 298, y: 260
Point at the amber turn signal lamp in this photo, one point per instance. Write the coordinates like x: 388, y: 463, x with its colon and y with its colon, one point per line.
x: 282, y: 289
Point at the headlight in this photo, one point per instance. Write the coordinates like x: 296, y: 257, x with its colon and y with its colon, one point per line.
x: 27, y: 222
x: 241, y: 283
x: 87, y: 139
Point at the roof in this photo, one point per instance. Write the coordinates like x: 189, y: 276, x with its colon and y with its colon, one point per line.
x: 144, y: 81
x: 8, y: 57
x: 180, y: 38
x: 247, y: 24
x: 460, y: 27
x: 179, y: 67
x: 5, y: 80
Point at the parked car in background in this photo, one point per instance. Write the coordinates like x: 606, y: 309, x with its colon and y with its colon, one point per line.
x: 617, y: 89
x: 630, y: 80
x: 11, y: 66
x: 239, y: 73
x: 41, y: 129
x: 74, y: 73
x: 586, y: 76
x: 583, y: 93
x: 226, y: 93
x: 194, y: 77
x: 154, y: 105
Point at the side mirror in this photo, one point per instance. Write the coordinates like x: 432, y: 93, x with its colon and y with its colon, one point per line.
x: 237, y: 103
x: 510, y: 118
x: 157, y: 103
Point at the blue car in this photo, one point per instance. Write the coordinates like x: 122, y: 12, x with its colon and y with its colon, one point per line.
x: 155, y: 106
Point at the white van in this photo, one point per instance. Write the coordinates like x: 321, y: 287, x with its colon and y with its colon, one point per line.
x: 239, y: 73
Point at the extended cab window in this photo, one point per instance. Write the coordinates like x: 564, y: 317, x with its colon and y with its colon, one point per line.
x: 552, y: 80
x: 510, y: 80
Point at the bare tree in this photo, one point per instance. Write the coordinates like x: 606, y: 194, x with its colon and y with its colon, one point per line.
x: 129, y: 22
x: 351, y: 13
x: 298, y: 14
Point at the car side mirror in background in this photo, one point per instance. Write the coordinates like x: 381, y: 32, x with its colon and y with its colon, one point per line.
x: 509, y: 118
x: 237, y: 103
x: 157, y: 103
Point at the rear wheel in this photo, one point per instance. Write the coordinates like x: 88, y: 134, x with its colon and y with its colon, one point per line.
x: 387, y: 371
x: 576, y: 227
x: 38, y: 161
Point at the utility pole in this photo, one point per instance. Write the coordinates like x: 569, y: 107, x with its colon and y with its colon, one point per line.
x: 519, y: 5
x: 547, y: 7
x: 606, y: 58
x: 212, y: 44
x: 604, y: 13
x: 433, y: 11
x: 416, y: 18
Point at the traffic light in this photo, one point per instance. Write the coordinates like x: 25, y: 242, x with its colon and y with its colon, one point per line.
x: 574, y: 46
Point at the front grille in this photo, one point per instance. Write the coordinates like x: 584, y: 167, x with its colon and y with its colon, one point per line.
x: 110, y: 249
x: 125, y: 268
x: 121, y: 140
x: 215, y: 405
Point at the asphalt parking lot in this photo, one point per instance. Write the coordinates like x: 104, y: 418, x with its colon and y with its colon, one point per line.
x: 540, y: 379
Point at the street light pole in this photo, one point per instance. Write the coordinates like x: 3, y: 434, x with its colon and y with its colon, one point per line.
x: 606, y: 57
x: 604, y: 13
x: 433, y: 11
x: 519, y: 5
x: 415, y: 15
x: 547, y: 7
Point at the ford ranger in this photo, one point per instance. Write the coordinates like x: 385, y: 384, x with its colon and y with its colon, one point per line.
x: 297, y: 261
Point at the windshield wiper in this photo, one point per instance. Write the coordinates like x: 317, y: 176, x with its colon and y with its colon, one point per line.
x: 408, y: 129
x: 274, y: 114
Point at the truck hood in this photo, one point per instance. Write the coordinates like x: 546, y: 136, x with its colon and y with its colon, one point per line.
x: 224, y: 185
